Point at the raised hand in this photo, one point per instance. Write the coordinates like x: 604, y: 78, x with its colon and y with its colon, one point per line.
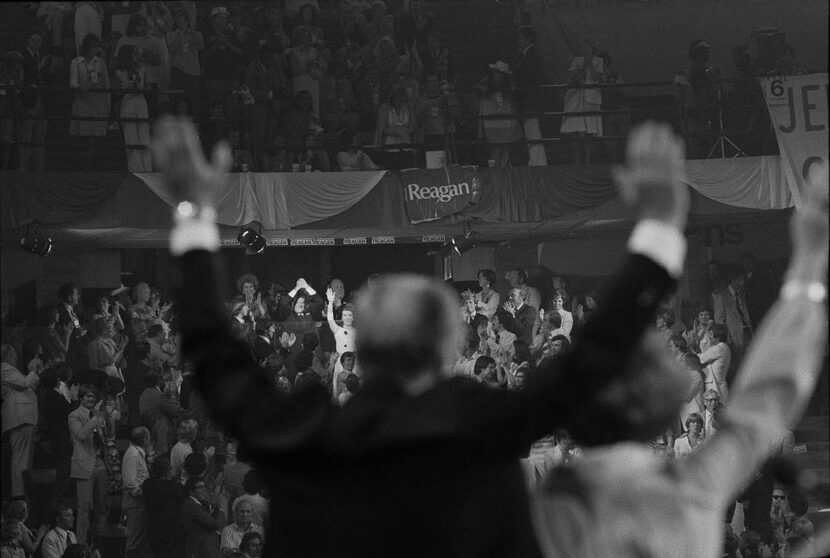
x: 809, y: 230
x: 330, y: 296
x: 509, y: 307
x: 653, y: 180
x: 177, y: 152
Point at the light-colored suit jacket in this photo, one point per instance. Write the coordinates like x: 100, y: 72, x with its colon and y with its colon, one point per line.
x: 83, y: 443
x: 726, y: 312
x: 19, y: 398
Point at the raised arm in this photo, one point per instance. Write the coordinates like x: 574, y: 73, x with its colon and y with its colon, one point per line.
x: 778, y: 376
x: 239, y: 394
x: 330, y: 311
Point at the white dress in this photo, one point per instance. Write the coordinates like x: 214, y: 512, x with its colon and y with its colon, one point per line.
x: 583, y: 100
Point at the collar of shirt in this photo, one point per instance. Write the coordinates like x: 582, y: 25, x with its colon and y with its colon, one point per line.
x: 527, y: 48
x: 140, y: 450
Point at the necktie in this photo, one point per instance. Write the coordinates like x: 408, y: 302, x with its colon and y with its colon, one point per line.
x: 740, y: 309
x: 68, y: 539
x: 96, y: 440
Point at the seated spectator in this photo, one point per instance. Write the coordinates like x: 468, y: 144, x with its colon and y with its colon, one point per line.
x: 353, y: 158
x: 200, y: 520
x: 231, y: 535
x: 10, y: 539
x: 251, y: 545
x: 89, y: 71
x: 503, y: 135
x: 314, y: 157
x: 60, y: 537
x: 566, y: 449
x: 187, y: 431
x: 584, y: 69
x: 27, y: 541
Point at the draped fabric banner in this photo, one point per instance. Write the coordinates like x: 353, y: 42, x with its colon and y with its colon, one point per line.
x: 373, y: 202
x: 280, y: 200
x: 430, y: 194
x: 798, y: 109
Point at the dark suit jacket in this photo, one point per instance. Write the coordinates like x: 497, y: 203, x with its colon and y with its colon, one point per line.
x: 528, y: 78
x: 55, y: 424
x: 523, y: 323
x: 32, y: 79
x: 163, y: 500
x: 396, y: 475
x: 199, y: 527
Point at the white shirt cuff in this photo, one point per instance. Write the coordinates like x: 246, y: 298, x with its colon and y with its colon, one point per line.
x: 194, y: 231
x: 660, y: 242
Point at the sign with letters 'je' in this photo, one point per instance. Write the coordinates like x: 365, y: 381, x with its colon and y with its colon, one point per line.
x: 798, y: 110
x: 430, y: 194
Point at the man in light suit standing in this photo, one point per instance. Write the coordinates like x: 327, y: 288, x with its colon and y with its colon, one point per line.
x: 19, y: 413
x: 88, y: 468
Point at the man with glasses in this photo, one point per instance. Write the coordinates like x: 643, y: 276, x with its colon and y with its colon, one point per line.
x: 200, y: 521
x: 712, y: 405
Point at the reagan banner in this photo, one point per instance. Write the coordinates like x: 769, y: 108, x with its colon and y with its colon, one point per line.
x: 430, y: 194
x: 798, y: 110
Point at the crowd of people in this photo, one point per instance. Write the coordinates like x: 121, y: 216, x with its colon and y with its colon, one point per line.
x: 300, y: 87
x: 75, y: 378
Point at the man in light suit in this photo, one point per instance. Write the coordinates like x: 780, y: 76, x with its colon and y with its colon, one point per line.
x: 19, y: 415
x: 88, y: 469
x: 731, y: 309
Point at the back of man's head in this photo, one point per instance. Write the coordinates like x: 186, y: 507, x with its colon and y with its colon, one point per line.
x: 414, y: 329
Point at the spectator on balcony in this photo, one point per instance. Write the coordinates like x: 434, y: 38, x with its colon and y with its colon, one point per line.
x: 130, y: 77
x: 301, y: 58
x: 407, y: 76
x: 353, y: 158
x: 89, y: 71
x: 529, y: 94
x: 504, y: 135
x: 338, y: 107
x: 11, y: 68
x: 151, y: 51
x: 438, y: 112
x: 271, y: 29
x: 300, y: 123
x: 185, y: 44
x: 413, y: 26
x: 33, y: 122
x: 433, y: 52
x: 308, y: 17
x: 396, y: 121
x: 616, y: 125
x: 385, y: 60
x: 380, y: 24
x: 221, y: 64
x: 584, y: 70
x: 88, y: 21
x: 266, y: 84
